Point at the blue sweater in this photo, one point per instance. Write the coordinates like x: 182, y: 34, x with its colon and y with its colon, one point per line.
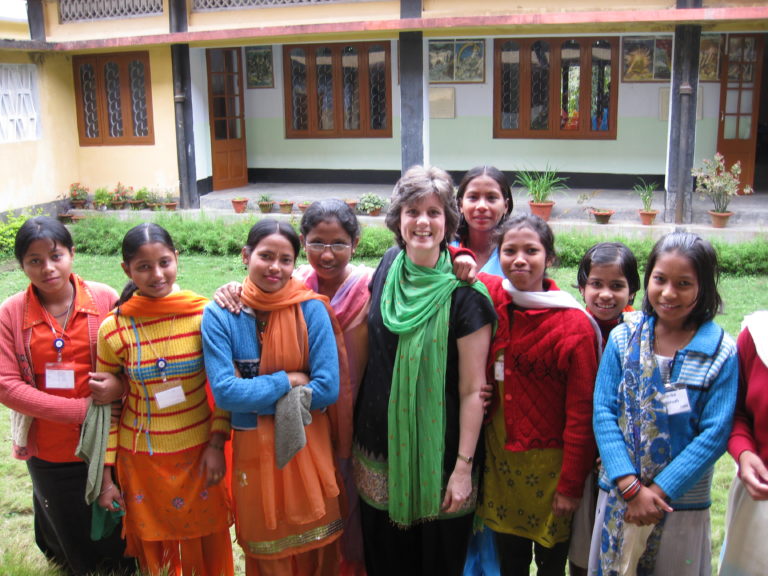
x: 230, y: 339
x: 708, y: 367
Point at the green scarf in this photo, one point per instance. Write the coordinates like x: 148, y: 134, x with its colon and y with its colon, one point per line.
x: 416, y: 305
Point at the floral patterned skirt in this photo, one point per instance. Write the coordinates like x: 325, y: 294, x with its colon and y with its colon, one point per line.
x: 518, y: 490
x: 166, y: 497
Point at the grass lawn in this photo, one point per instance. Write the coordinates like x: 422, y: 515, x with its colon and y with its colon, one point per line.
x: 18, y: 553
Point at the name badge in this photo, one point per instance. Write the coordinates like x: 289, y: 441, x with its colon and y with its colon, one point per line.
x: 676, y: 401
x: 498, y: 370
x: 60, y: 376
x: 169, y: 394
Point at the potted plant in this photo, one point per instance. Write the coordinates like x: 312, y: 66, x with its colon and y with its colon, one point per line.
x: 601, y: 215
x: 286, y: 206
x: 153, y: 200
x: 540, y: 186
x: 101, y: 198
x: 139, y: 200
x: 265, y: 203
x: 239, y: 204
x: 171, y: 202
x: 78, y: 195
x: 304, y: 204
x: 645, y: 191
x: 120, y: 195
x: 371, y: 204
x: 720, y: 184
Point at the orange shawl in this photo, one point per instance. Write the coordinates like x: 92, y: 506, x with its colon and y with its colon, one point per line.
x: 288, y: 347
x: 179, y: 302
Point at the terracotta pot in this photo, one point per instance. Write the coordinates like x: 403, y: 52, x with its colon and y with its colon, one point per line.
x: 286, y: 207
x: 136, y: 204
x: 541, y: 209
x: 719, y: 219
x: 170, y: 205
x: 602, y: 216
x: 266, y: 207
x: 303, y: 207
x: 78, y: 204
x: 647, y: 216
x: 352, y: 204
x: 117, y: 204
x: 239, y: 205
x: 374, y: 212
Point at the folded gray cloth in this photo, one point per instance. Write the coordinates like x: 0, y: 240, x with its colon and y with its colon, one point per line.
x: 94, y: 436
x: 291, y: 415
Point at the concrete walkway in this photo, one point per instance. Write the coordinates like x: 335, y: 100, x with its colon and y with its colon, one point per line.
x: 750, y: 219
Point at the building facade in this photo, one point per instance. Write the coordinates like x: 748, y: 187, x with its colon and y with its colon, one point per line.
x: 191, y: 96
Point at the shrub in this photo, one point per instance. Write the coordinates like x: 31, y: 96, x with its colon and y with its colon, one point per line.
x: 8, y: 230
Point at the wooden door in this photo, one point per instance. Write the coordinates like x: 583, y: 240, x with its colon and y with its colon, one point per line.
x: 740, y: 102
x: 227, y: 117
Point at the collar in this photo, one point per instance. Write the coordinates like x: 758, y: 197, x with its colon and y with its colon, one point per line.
x: 705, y: 341
x: 33, y: 308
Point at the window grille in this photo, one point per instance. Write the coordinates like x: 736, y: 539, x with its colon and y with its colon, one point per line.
x: 80, y: 10
x: 18, y: 103
x: 210, y: 5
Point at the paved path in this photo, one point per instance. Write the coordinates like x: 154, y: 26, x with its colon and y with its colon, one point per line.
x: 750, y: 218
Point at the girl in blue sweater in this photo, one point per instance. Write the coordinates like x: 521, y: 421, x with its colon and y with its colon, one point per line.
x: 664, y: 401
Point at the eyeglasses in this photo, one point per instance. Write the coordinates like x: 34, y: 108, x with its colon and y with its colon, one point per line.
x: 319, y: 247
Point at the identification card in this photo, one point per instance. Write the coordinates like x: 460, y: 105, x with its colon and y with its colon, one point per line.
x: 60, y: 376
x: 676, y: 401
x: 498, y: 370
x: 169, y: 394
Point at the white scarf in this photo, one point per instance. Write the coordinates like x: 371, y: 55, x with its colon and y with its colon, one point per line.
x: 552, y: 299
x: 757, y: 324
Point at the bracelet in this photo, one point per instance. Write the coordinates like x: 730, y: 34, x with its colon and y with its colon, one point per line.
x: 105, y: 489
x: 630, y: 492
x: 467, y: 459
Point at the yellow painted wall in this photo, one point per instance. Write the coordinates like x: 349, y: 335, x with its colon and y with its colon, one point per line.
x: 35, y: 172
x: 294, y: 15
x: 137, y: 166
x: 117, y: 28
x: 433, y: 8
x: 13, y: 30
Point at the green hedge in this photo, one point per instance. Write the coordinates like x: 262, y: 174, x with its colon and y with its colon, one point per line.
x: 104, y: 235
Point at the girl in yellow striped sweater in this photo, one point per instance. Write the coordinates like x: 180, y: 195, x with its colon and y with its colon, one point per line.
x: 168, y: 446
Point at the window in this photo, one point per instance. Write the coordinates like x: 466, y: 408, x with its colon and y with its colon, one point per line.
x: 18, y: 103
x: 113, y: 96
x: 555, y: 88
x: 338, y: 91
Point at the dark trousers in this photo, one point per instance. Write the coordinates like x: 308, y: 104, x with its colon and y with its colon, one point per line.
x: 437, y: 547
x: 516, y: 553
x: 63, y: 522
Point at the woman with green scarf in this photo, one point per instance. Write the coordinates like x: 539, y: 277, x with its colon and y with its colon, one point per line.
x: 419, y: 410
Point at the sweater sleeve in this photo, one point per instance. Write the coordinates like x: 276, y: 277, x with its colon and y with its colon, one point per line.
x: 742, y: 436
x: 610, y: 440
x: 108, y: 360
x: 220, y: 349
x: 714, y: 426
x: 323, y: 355
x: 16, y: 376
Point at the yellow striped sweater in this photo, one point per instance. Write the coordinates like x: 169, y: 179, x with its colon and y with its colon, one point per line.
x: 144, y: 426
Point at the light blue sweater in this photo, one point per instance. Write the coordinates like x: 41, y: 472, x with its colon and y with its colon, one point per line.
x: 230, y: 339
x: 708, y: 367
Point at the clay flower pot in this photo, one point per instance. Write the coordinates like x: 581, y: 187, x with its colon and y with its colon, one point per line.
x: 719, y: 219
x: 647, y: 216
x: 602, y: 216
x: 541, y: 209
x: 285, y: 207
x: 78, y: 204
x: 239, y: 205
x: 266, y: 206
x: 170, y: 205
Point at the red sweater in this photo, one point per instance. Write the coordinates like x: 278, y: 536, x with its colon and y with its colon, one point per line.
x: 750, y: 422
x: 550, y: 364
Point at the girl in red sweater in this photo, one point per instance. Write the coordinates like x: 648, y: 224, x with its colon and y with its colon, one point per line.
x: 539, y: 443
